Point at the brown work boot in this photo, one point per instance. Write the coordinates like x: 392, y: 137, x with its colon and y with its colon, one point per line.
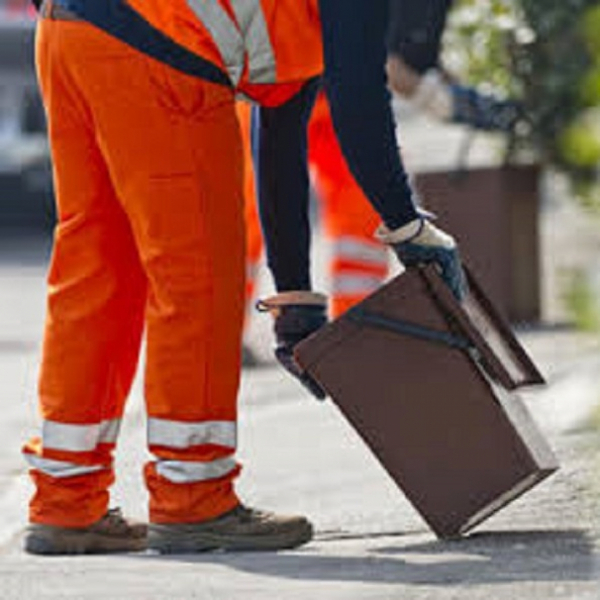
x: 112, y: 533
x: 239, y: 529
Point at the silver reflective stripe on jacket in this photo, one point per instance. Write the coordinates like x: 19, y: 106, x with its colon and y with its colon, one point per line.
x: 225, y: 34
x: 180, y: 434
x: 60, y: 468
x: 261, y: 56
x: 178, y: 471
x: 79, y: 438
x: 248, y: 38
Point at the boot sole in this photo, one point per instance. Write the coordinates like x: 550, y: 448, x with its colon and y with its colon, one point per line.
x: 165, y: 540
x: 79, y: 543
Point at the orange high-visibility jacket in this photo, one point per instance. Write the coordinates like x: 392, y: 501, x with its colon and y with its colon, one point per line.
x: 254, y: 44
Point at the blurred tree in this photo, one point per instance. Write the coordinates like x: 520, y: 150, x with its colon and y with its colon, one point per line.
x: 546, y: 53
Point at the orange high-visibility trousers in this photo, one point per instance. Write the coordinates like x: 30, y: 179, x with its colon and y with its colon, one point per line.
x: 150, y: 236
x: 358, y: 264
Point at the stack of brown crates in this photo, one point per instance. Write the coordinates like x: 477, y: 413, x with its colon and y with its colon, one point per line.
x: 428, y: 383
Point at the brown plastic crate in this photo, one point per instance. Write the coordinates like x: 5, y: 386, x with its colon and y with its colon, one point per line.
x: 425, y: 382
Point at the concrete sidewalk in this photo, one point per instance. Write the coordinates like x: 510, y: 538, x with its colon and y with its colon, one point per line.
x: 300, y: 455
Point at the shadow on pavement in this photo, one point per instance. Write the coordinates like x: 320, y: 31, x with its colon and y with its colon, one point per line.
x: 487, y: 558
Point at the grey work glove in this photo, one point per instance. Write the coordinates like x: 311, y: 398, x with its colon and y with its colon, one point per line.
x: 421, y: 242
x: 296, y: 315
x: 455, y: 103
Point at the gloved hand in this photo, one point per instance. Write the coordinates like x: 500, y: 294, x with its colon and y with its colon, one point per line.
x: 420, y: 242
x: 450, y: 101
x: 484, y: 111
x: 296, y: 315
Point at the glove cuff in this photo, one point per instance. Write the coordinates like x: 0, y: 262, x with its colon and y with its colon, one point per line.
x: 420, y: 231
x: 275, y: 303
x: 403, y: 234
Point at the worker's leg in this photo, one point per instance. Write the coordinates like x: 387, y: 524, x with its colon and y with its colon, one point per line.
x: 173, y: 147
x: 359, y: 264
x: 95, y: 308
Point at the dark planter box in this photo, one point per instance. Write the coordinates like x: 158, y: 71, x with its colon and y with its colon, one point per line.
x: 493, y: 213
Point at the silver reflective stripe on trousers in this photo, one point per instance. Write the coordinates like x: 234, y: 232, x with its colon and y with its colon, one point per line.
x: 178, y: 434
x: 248, y: 38
x: 60, y: 468
x: 178, y: 471
x: 79, y: 438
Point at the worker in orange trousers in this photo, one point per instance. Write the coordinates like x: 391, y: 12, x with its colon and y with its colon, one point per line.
x: 148, y: 172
